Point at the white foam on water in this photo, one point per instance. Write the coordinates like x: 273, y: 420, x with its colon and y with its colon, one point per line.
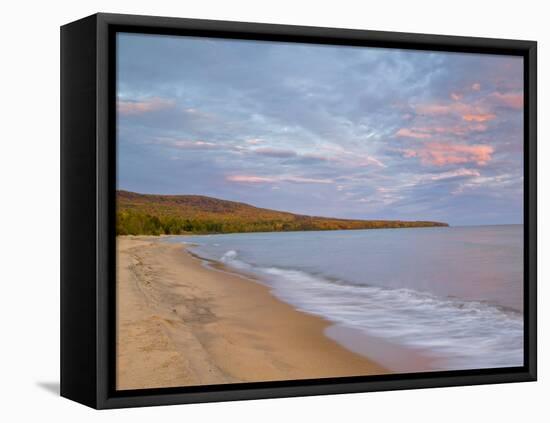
x: 461, y: 334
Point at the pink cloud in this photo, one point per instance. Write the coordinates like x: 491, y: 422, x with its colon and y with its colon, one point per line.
x: 433, y: 109
x: 468, y: 112
x: 250, y: 179
x: 426, y: 132
x: 440, y: 154
x: 478, y: 117
x: 481, y: 110
x: 143, y: 106
x: 510, y: 100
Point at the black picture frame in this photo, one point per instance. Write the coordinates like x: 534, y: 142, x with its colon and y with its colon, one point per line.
x: 88, y: 151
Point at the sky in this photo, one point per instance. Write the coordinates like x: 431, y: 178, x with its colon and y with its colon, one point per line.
x: 349, y: 132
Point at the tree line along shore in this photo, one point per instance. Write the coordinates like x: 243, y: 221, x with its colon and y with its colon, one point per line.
x: 147, y: 214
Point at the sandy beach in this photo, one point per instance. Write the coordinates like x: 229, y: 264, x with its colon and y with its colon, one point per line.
x: 180, y: 323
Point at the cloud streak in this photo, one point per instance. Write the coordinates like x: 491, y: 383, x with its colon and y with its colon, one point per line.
x: 253, y: 179
x: 138, y: 107
x: 441, y: 154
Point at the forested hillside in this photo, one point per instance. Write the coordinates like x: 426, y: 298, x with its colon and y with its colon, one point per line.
x: 145, y: 214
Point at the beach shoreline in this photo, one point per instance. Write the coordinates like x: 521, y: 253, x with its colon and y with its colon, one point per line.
x: 180, y: 323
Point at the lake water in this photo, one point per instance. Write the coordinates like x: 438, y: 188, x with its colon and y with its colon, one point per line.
x: 454, y: 294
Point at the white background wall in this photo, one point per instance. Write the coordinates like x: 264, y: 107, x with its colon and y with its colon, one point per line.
x: 29, y: 178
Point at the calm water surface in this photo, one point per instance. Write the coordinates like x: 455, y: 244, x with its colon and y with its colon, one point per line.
x: 456, y: 293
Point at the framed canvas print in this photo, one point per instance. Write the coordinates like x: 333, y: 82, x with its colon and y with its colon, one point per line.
x: 255, y: 211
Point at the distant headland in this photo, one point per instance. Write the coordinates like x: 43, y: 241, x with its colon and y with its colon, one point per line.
x: 150, y: 214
